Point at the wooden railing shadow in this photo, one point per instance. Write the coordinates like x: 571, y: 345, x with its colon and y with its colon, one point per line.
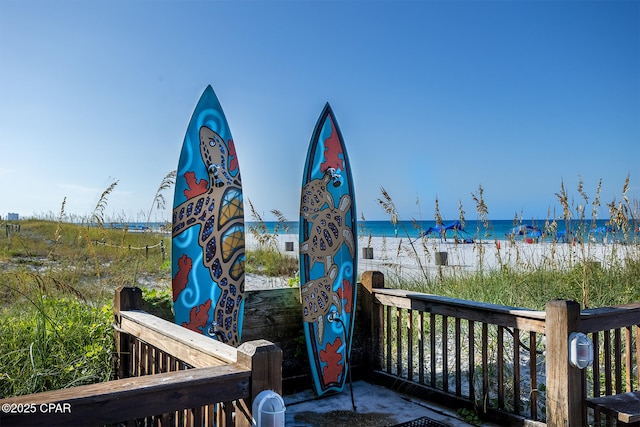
x: 167, y: 375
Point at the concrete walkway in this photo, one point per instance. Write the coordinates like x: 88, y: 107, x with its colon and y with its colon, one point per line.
x: 376, y: 406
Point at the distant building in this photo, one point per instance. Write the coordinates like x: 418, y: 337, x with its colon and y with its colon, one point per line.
x: 13, y: 216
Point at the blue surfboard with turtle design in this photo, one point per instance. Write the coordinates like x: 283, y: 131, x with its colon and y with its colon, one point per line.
x: 207, y: 245
x: 328, y: 255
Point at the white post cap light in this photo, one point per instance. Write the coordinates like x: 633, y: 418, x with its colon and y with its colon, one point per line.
x: 268, y: 409
x: 580, y: 350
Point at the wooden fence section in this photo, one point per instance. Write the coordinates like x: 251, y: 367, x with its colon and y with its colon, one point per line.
x: 9, y: 229
x: 615, y: 333
x: 508, y: 363
x: 146, y: 248
x: 131, y: 399
x: 167, y: 375
x: 460, y: 353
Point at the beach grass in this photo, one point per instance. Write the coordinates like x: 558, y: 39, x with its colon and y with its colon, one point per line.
x: 271, y: 262
x: 56, y: 286
x: 566, y: 271
x: 54, y: 343
x: 267, y: 259
x: 86, y: 260
x: 57, y: 281
x: 591, y: 285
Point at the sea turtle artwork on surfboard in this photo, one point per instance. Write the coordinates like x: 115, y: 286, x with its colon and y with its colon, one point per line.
x: 328, y: 255
x: 207, y: 245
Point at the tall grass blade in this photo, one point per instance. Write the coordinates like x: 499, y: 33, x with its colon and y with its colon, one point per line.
x: 159, y: 202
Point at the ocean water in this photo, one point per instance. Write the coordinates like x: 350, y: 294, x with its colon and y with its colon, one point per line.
x: 476, y: 230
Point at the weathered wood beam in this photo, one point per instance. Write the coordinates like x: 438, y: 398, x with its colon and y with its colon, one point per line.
x: 565, y: 394
x: 129, y: 398
x: 195, y: 349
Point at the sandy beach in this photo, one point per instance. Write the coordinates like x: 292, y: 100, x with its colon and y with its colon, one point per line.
x: 403, y: 259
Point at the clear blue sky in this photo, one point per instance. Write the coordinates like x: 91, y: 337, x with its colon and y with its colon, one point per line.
x: 434, y: 99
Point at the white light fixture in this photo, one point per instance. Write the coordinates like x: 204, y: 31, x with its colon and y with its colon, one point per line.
x: 268, y: 409
x: 580, y: 350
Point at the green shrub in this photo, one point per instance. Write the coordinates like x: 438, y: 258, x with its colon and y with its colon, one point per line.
x: 53, y: 343
x: 271, y: 262
x: 158, y: 302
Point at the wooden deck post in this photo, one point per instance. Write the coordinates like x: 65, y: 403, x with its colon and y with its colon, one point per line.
x: 564, y: 382
x: 124, y: 299
x: 265, y: 361
x: 373, y: 319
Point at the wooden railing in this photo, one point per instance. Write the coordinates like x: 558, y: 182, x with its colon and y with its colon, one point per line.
x: 167, y: 375
x: 507, y: 363
x: 615, y: 333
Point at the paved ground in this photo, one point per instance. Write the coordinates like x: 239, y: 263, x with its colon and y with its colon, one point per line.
x: 376, y: 406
